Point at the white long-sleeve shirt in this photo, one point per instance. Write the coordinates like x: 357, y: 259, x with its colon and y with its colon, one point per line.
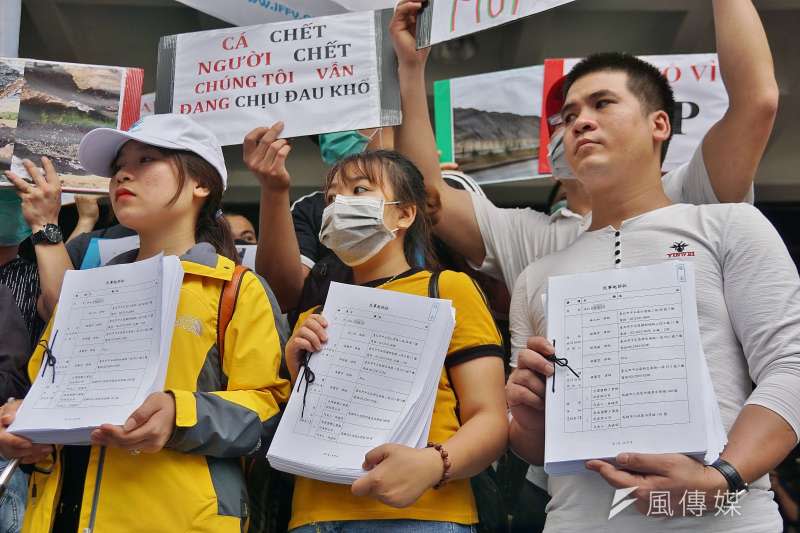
x: 748, y: 299
x: 515, y: 238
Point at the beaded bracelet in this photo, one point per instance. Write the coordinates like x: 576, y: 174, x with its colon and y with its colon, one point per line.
x: 445, y: 462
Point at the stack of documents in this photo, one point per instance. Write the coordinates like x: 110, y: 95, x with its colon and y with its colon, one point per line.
x: 110, y: 345
x: 633, y: 337
x: 375, y: 382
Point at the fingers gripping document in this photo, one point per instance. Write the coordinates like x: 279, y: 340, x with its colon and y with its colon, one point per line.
x: 108, y: 350
x: 632, y: 337
x: 374, y: 382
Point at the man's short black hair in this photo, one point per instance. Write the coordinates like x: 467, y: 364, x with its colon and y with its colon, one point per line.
x: 644, y: 80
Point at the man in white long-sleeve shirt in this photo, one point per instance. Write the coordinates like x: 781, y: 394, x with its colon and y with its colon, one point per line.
x: 748, y: 295
x: 502, y: 242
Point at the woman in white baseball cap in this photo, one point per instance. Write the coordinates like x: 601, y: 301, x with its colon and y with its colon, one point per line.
x: 175, y: 465
x: 143, y: 164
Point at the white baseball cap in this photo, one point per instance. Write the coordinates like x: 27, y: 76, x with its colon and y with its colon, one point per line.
x: 99, y: 147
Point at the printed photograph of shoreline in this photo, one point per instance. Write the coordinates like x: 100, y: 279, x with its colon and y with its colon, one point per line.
x: 496, y: 124
x: 57, y: 105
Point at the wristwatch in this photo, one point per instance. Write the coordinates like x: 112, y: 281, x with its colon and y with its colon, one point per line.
x: 735, y: 482
x: 49, y: 234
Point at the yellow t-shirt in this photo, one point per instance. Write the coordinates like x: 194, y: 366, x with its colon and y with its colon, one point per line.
x: 475, y: 335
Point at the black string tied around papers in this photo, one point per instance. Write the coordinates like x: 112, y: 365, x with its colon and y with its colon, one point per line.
x: 308, y: 375
x: 50, y: 359
x: 560, y: 361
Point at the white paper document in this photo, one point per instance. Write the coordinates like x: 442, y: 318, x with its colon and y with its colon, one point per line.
x: 247, y: 255
x: 109, y: 349
x: 375, y: 382
x: 632, y: 336
x: 111, y: 248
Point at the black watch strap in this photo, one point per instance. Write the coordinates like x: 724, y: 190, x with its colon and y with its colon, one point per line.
x: 731, y: 475
x: 49, y: 234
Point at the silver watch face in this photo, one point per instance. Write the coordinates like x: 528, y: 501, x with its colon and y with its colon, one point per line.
x: 52, y: 233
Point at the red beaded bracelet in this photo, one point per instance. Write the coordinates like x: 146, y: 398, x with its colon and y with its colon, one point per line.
x: 445, y: 462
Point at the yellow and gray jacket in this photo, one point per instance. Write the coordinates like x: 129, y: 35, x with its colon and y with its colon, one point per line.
x: 196, y: 482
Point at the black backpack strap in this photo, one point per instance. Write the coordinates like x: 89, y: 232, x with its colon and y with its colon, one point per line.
x: 433, y: 285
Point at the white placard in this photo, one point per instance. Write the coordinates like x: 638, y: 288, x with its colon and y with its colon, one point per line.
x: 699, y: 92
x: 317, y: 76
x: 366, y: 5
x: 247, y: 12
x: 450, y: 19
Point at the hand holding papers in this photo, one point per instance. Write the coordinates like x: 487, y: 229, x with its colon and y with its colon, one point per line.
x: 375, y: 382
x: 632, y: 337
x: 109, y: 349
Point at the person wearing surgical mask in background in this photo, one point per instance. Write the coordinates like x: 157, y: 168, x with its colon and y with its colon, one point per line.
x: 290, y: 256
x: 334, y: 147
x: 21, y: 326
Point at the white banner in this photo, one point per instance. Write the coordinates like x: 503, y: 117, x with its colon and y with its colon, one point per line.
x: 10, y: 11
x: 365, y: 5
x: 442, y: 20
x: 248, y: 12
x: 699, y: 93
x: 316, y: 76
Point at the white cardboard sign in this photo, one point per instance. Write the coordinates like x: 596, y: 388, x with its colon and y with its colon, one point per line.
x: 443, y: 20
x: 318, y: 75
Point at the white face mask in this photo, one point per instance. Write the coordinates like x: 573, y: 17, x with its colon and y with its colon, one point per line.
x: 558, y: 157
x: 353, y: 227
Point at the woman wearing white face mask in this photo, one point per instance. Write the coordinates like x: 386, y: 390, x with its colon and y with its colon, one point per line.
x: 376, y: 223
